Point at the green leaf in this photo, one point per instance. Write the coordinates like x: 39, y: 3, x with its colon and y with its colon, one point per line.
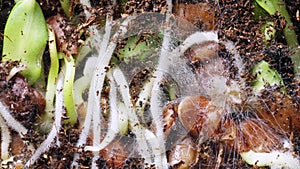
x: 265, y: 75
x: 25, y: 37
x: 273, y: 6
x: 68, y: 91
x: 139, y: 49
x: 65, y: 4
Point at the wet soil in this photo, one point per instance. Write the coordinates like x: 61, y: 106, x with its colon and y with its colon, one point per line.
x: 234, y: 21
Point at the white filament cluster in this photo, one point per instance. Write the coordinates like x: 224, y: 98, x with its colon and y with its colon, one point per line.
x: 150, y: 143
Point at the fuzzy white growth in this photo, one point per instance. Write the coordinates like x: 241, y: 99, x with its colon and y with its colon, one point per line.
x: 5, y: 139
x: 238, y: 60
x: 160, y: 159
x: 59, y: 109
x: 11, y: 121
x: 195, y: 38
x: 113, y: 125
x: 97, y: 84
x: 215, y: 84
x: 93, y: 110
x: 145, y: 148
x: 180, y: 71
x: 274, y: 159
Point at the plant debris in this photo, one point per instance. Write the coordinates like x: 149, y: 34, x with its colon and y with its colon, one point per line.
x: 214, y: 140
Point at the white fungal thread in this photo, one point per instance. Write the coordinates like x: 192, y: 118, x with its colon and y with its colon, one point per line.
x: 145, y: 150
x: 59, y: 109
x: 5, y: 139
x: 11, y: 121
x: 96, y: 85
x: 113, y: 128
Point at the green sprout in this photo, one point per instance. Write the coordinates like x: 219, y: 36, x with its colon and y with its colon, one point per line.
x: 26, y: 37
x: 53, y: 71
x: 68, y: 90
x: 139, y: 47
x: 65, y: 4
x: 273, y: 6
x: 46, y: 118
x: 265, y: 75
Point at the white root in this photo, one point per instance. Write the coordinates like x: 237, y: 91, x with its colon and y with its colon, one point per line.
x: 88, y: 118
x: 14, y: 71
x: 59, y: 109
x: 93, y: 110
x: 160, y: 159
x: 93, y: 96
x: 97, y: 83
x: 143, y: 97
x: 123, y: 119
x: 145, y: 149
x: 96, y: 87
x: 11, y: 121
x: 5, y: 139
x: 104, y: 57
x: 274, y: 159
x: 113, y: 125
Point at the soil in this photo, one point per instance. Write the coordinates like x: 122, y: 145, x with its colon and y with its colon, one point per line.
x: 234, y: 21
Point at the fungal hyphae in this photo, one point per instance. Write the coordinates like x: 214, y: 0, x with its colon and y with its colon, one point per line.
x: 151, y: 87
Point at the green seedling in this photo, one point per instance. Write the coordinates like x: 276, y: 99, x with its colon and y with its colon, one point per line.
x: 68, y: 90
x: 25, y: 38
x: 46, y: 118
x: 273, y: 6
x: 53, y: 71
x: 266, y: 76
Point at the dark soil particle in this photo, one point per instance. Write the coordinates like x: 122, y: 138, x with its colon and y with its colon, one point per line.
x: 235, y: 22
x: 50, y: 8
x: 296, y: 140
x: 216, y: 155
x: 24, y: 102
x: 132, y: 6
x: 60, y: 157
x: 293, y: 8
